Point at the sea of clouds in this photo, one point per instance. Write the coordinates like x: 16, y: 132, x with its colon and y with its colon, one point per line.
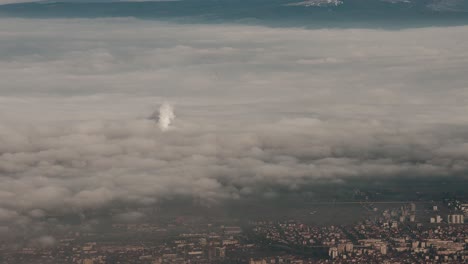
x: 245, y: 110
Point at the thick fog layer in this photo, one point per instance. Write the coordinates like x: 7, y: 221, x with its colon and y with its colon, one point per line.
x: 86, y: 120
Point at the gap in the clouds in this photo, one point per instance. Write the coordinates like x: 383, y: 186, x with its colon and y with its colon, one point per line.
x: 322, y: 202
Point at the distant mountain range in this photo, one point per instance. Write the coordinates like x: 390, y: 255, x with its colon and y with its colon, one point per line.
x: 309, y: 13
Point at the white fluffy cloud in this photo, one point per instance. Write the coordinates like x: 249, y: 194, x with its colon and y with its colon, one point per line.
x: 257, y: 109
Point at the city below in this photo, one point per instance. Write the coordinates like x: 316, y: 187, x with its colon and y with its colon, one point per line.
x: 385, y: 232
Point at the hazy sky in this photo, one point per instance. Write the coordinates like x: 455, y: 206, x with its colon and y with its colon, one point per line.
x: 256, y: 109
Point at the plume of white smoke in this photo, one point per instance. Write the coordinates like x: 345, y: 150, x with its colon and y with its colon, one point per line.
x: 166, y: 115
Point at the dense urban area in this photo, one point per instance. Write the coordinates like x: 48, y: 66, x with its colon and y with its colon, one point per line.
x: 391, y: 232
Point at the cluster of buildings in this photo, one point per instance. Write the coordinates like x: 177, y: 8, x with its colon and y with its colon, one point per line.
x: 391, y: 235
x: 139, y: 244
x: 456, y: 219
x: 283, y: 259
x: 298, y: 234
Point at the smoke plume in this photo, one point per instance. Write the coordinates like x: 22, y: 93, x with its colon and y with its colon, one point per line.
x: 166, y: 115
